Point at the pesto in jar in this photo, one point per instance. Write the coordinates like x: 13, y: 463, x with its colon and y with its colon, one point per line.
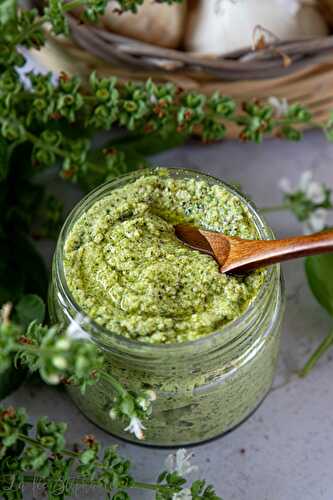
x: 127, y: 270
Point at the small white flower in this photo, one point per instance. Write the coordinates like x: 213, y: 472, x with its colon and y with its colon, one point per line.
x: 316, y: 193
x: 53, y: 379
x: 143, y: 403
x: 183, y: 495
x: 310, y: 191
x: 151, y: 395
x: 180, y: 462
x: 60, y: 362
x: 316, y: 221
x: 136, y: 427
x: 63, y: 344
x: 280, y: 106
x: 145, y: 400
x: 113, y: 414
x: 304, y: 180
x: 313, y: 191
x: 32, y: 65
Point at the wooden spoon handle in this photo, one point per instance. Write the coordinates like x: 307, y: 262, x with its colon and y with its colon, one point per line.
x: 246, y: 255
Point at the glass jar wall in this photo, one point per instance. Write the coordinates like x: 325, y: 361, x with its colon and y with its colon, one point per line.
x: 204, y: 387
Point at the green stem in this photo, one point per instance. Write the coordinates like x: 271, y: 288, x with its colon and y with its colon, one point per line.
x: 36, y: 350
x: 35, y: 140
x: 26, y: 348
x: 276, y: 208
x: 34, y: 27
x: 115, y: 384
x: 118, y: 387
x: 44, y: 19
x: 319, y: 352
x: 75, y: 455
x: 38, y: 444
x: 74, y: 4
x: 146, y: 486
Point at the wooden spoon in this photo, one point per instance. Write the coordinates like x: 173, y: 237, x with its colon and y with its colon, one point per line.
x: 238, y: 255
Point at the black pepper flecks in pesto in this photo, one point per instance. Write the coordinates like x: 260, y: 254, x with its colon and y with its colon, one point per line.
x: 127, y: 270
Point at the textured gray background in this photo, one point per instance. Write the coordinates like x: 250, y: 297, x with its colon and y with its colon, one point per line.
x: 285, y: 450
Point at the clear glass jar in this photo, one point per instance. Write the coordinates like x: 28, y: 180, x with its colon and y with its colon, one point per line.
x: 204, y: 387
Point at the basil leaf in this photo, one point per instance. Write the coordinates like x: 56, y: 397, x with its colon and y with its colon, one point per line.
x: 10, y: 379
x: 319, y: 271
x: 30, y: 308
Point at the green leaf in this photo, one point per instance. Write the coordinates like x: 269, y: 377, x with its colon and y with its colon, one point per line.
x: 291, y: 133
x: 319, y: 271
x: 10, y: 380
x: 7, y: 10
x: 30, y: 308
x: 87, y: 456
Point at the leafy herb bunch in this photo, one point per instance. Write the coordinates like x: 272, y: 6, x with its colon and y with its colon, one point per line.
x: 46, y: 114
x: 42, y: 458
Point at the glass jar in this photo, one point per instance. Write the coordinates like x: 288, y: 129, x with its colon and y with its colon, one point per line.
x: 204, y: 387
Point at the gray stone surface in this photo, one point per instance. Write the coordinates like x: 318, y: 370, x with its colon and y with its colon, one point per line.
x: 285, y: 450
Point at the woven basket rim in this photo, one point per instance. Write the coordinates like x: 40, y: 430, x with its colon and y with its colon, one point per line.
x: 243, y: 74
x: 280, y: 58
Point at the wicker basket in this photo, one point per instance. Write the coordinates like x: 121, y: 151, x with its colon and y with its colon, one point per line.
x: 301, y: 71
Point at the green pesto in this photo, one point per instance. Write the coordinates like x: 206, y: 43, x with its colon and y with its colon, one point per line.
x: 127, y: 270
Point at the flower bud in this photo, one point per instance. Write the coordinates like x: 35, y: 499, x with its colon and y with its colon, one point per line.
x: 60, y: 362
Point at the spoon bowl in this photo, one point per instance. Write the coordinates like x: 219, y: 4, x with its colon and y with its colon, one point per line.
x: 239, y: 255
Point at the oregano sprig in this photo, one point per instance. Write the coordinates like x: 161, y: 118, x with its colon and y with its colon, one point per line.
x: 159, y: 110
x: 60, y: 357
x: 310, y: 202
x: 140, y: 108
x: 40, y: 454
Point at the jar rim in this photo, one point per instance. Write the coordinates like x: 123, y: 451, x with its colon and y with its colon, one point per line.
x: 108, y: 339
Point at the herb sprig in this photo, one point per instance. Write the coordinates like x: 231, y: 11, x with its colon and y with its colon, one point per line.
x: 140, y: 108
x: 61, y: 357
x: 42, y: 456
x: 309, y: 201
x: 156, y: 110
